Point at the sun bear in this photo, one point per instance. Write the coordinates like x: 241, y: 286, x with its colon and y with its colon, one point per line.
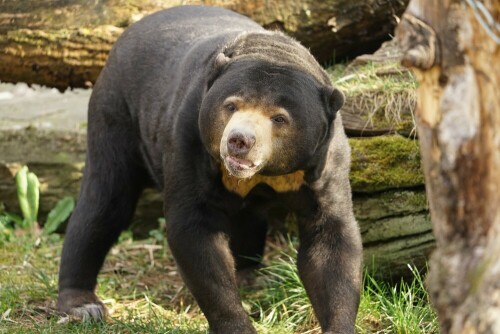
x: 229, y: 121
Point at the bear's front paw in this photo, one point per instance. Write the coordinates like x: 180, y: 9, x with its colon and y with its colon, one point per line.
x: 88, y: 312
x: 81, y: 304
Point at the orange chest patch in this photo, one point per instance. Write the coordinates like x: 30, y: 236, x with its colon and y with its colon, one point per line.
x: 280, y: 184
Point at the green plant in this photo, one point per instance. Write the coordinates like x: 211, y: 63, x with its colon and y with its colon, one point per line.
x: 403, y: 308
x: 158, y: 234
x: 58, y: 214
x: 7, y: 223
x: 5, y: 231
x: 28, y: 195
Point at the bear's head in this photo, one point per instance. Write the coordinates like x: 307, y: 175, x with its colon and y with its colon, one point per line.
x: 267, y: 118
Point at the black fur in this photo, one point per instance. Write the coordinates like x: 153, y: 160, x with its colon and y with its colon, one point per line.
x: 151, y: 118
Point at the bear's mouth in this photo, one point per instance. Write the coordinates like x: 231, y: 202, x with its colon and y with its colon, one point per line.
x: 240, y: 164
x: 241, y: 168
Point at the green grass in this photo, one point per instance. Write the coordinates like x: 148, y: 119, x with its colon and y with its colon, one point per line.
x: 284, y: 300
x: 144, y: 294
x: 137, y: 278
x: 389, y: 77
x: 403, y: 308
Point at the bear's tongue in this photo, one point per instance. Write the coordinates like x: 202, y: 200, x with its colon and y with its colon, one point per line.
x: 240, y: 163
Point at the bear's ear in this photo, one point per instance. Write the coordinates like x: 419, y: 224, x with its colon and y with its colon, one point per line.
x: 334, y: 100
x: 221, y: 60
x: 219, y: 63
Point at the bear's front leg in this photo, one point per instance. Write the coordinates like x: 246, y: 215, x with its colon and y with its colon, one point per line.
x: 329, y: 263
x: 197, y: 237
x: 330, y: 254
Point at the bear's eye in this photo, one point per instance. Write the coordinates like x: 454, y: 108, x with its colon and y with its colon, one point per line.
x: 280, y: 119
x: 231, y: 107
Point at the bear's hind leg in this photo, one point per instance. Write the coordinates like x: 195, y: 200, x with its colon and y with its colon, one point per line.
x: 95, y: 225
x: 247, y: 239
x: 113, y: 180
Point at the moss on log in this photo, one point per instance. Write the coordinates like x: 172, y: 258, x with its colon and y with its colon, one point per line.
x: 391, y: 203
x: 385, y: 162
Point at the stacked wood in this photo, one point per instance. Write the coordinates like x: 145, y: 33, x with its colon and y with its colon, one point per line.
x: 389, y: 199
x: 65, y: 43
x: 386, y: 175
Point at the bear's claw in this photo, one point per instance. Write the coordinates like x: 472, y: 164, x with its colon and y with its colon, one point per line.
x: 88, y: 312
x: 81, y: 305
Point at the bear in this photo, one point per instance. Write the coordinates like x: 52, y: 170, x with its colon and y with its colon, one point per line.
x: 229, y: 121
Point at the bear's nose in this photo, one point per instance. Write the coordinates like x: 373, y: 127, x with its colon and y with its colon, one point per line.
x: 239, y: 142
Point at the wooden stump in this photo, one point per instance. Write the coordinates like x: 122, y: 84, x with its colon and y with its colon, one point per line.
x: 454, y: 49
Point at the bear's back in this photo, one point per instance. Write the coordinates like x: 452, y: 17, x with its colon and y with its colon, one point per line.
x: 157, y: 52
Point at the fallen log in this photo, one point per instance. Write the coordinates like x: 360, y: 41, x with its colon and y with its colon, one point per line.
x: 396, y: 231
x: 65, y: 43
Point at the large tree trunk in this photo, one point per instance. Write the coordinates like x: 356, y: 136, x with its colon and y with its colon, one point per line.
x: 453, y: 47
x: 64, y: 43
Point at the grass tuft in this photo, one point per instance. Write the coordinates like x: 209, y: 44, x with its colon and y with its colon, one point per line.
x: 284, y: 300
x: 382, y: 94
x: 403, y: 308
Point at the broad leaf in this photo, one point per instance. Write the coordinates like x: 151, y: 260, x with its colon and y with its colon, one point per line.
x: 59, y: 214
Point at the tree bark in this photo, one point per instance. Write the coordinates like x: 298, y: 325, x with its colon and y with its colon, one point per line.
x: 453, y: 48
x: 64, y: 43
